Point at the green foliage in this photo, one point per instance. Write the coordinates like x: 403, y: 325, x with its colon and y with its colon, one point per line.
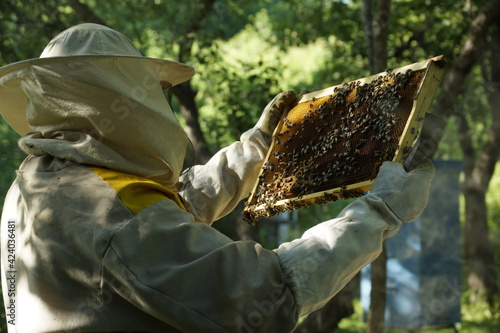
x: 474, y: 105
x: 27, y: 26
x: 235, y: 80
x: 417, y: 34
x: 296, y: 23
x: 493, y: 204
x: 10, y: 157
x: 476, y: 318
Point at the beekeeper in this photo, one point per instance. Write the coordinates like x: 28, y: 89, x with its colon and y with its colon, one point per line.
x: 96, y: 236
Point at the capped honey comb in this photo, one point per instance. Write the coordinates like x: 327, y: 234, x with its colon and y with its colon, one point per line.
x: 331, y: 145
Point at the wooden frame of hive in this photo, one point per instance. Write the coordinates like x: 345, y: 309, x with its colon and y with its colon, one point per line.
x: 330, y: 145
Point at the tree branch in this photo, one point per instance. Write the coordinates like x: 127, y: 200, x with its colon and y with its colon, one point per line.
x: 461, y: 66
x: 491, y: 149
x: 465, y: 141
x: 84, y: 12
x: 187, y: 39
x: 185, y: 94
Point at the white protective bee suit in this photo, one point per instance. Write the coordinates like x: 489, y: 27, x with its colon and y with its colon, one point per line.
x: 96, y: 236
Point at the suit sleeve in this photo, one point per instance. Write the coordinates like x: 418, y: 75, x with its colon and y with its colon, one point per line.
x: 213, y: 190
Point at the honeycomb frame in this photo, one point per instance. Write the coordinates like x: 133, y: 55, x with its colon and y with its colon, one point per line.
x: 330, y: 145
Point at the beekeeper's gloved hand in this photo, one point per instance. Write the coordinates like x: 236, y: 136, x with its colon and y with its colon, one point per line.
x: 405, y: 193
x: 273, y: 111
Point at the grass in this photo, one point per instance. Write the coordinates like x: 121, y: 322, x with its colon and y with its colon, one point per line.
x: 476, y: 318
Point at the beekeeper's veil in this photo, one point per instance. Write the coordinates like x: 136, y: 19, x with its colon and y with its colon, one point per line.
x: 92, y: 98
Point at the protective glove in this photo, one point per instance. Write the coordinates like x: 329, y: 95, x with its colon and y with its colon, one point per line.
x: 273, y: 111
x: 405, y: 193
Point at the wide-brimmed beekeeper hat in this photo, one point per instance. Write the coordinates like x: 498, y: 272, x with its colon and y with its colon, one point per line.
x: 87, y: 42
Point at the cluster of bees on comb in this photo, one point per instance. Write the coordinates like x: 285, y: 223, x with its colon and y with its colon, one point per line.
x: 326, y: 144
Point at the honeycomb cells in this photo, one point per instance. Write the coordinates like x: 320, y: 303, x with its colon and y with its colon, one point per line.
x: 334, y: 141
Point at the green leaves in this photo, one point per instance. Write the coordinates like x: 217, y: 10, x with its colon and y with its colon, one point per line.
x: 233, y: 89
x: 10, y: 157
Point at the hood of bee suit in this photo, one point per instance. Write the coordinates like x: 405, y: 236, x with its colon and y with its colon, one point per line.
x: 92, y: 98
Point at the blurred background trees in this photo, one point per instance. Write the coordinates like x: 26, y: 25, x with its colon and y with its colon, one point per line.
x: 247, y: 51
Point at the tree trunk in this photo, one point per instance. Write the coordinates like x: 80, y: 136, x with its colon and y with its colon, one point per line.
x: 328, y: 318
x: 478, y: 165
x: 380, y: 28
x: 376, y: 313
x: 185, y: 92
x: 479, y: 255
x: 366, y: 17
x: 377, y: 25
x: 189, y: 110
